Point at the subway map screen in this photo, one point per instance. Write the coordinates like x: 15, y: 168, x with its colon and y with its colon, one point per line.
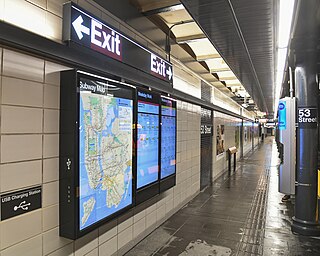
x: 105, y: 150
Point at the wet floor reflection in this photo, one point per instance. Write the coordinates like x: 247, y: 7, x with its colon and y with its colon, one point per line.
x: 241, y: 214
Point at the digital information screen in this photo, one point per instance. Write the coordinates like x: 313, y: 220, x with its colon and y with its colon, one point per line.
x: 168, y: 137
x: 147, y: 139
x: 105, y: 150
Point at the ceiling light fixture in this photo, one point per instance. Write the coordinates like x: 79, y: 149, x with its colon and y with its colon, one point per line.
x: 284, y: 29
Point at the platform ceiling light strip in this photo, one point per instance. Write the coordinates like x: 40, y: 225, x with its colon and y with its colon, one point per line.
x: 284, y: 29
x: 190, y: 33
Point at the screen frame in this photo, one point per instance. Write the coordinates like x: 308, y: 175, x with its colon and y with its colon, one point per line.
x: 169, y: 181
x: 70, y: 212
x: 152, y: 189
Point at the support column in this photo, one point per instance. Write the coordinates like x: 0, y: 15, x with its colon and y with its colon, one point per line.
x: 305, y: 219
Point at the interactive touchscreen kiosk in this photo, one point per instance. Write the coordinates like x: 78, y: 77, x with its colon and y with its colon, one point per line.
x: 96, y: 144
x: 147, y: 182
x: 168, y: 143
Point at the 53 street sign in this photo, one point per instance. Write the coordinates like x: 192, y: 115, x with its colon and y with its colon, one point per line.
x: 84, y: 29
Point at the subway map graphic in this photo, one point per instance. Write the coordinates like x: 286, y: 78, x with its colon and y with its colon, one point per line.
x: 105, y: 152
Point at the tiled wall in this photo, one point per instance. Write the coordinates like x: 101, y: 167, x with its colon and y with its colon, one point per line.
x: 220, y: 163
x: 44, y: 17
x: 29, y: 157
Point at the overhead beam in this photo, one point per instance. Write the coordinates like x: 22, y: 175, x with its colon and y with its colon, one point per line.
x: 189, y: 39
x: 209, y: 56
x: 170, y: 8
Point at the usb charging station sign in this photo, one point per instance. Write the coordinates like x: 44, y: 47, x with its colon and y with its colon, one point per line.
x: 307, y: 117
x: 20, y: 202
x: 84, y: 29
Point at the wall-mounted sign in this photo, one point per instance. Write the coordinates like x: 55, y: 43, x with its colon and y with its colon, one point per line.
x: 205, y: 129
x: 282, y: 115
x: 307, y: 117
x: 84, y: 29
x: 20, y: 202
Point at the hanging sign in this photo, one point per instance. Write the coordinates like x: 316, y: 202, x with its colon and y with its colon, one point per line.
x: 82, y: 28
x: 307, y: 117
x: 23, y: 201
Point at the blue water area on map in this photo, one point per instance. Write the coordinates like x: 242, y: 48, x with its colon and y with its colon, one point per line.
x: 148, y: 145
x: 101, y: 210
x: 168, y: 146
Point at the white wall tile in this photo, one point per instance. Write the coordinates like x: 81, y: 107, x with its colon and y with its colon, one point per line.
x: 21, y: 92
x: 107, y: 231
x: 51, y: 96
x: 30, y: 247
x: 21, y: 120
x: 18, y: 12
x: 161, y: 212
x: 14, y: 63
x: 108, y: 248
x: 125, y: 237
x: 139, y: 215
x: 1, y: 9
x: 50, y: 217
x: 40, y: 3
x: 20, y: 147
x: 125, y: 221
x: 64, y: 251
x: 54, y: 27
x: 139, y: 227
x: 50, y: 193
x: 51, y: 145
x: 86, y: 243
x: 29, y: 173
x: 52, y: 241
x: 50, y: 169
x: 52, y: 72
x: 55, y: 6
x: 94, y: 252
x: 28, y: 225
x: 151, y: 219
x: 51, y: 121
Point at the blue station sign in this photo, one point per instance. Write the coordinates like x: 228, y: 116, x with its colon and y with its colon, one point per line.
x: 85, y: 29
x: 282, y: 115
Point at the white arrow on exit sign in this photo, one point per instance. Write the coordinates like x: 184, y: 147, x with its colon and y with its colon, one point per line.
x: 79, y: 28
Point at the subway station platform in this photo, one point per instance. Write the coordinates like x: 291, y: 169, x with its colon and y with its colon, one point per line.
x: 240, y: 214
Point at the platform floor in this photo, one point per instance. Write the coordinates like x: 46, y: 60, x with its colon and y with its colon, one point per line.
x: 241, y: 214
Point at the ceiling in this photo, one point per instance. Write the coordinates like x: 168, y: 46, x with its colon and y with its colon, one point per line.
x: 243, y: 32
x: 230, y: 44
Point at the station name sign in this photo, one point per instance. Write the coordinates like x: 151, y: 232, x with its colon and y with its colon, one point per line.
x: 307, y: 117
x: 205, y: 129
x: 84, y: 29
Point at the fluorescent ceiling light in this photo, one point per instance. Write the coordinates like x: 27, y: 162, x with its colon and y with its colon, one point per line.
x: 285, y: 19
x: 234, y: 82
x: 226, y: 74
x: 202, y: 47
x: 284, y: 29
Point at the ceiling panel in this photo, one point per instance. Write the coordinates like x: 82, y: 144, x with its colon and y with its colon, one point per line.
x: 242, y: 32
